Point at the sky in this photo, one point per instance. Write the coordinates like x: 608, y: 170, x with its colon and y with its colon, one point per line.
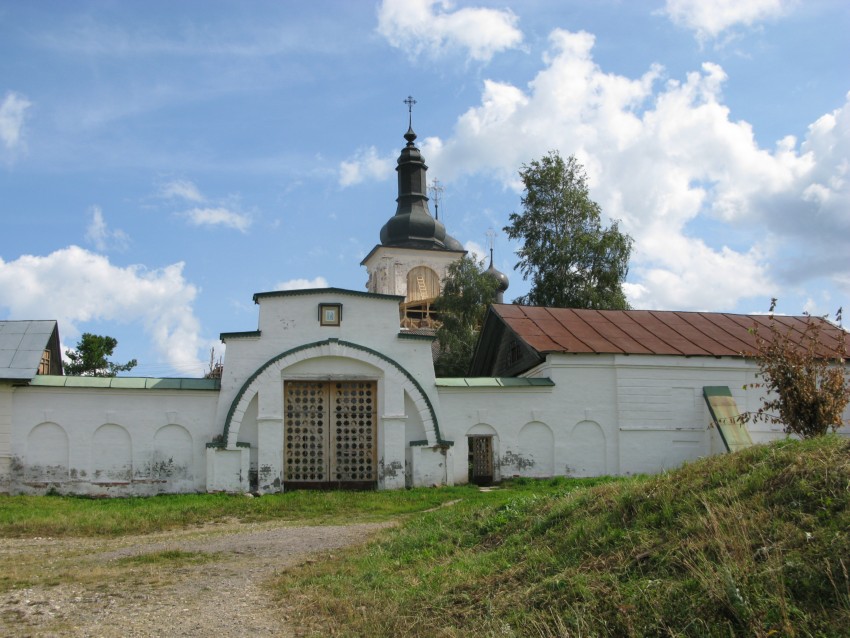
x: 160, y: 162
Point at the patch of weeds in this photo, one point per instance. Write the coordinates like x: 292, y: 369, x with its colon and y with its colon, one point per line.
x: 171, y: 557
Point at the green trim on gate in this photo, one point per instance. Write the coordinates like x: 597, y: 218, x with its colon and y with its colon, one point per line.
x: 125, y: 383
x: 494, y: 382
x: 319, y: 344
x: 250, y: 334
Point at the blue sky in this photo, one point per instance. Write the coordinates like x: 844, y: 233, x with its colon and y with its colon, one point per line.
x: 162, y: 161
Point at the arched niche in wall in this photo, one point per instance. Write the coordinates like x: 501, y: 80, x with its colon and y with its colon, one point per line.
x: 586, y: 450
x: 535, y: 453
x: 112, y: 455
x: 172, y: 453
x: 47, y: 453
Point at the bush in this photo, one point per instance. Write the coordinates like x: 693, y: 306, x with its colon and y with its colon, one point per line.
x: 802, y: 367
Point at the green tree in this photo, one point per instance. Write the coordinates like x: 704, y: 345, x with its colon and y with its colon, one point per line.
x: 466, y: 294
x: 90, y: 357
x: 572, y: 261
x: 803, y: 374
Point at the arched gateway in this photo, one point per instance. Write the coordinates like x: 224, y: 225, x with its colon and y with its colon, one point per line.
x: 332, y: 411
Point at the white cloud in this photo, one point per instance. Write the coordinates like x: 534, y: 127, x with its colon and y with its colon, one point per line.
x: 365, y: 164
x: 415, y: 27
x: 302, y: 284
x: 182, y: 189
x: 99, y: 234
x: 709, y: 18
x: 76, y: 286
x: 665, y: 156
x: 218, y: 217
x: 219, y: 214
x: 695, y: 277
x: 13, y: 111
x: 477, y: 252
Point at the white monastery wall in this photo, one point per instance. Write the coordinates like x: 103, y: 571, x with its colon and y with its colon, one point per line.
x: 659, y: 418
x: 501, y: 413
x: 109, y: 441
x: 5, y: 435
x: 605, y: 414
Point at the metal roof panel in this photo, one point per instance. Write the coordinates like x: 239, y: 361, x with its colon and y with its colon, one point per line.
x: 22, y: 344
x: 659, y: 332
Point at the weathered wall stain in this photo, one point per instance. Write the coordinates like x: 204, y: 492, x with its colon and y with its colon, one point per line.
x: 512, y: 459
x: 389, y: 470
x: 42, y: 473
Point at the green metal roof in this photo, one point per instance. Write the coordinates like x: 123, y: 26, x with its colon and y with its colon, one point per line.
x: 245, y: 334
x: 125, y: 383
x: 495, y: 382
x: 323, y: 291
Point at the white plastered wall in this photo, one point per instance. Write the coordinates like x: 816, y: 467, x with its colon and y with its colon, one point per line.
x: 607, y: 414
x: 110, y: 442
x: 5, y: 435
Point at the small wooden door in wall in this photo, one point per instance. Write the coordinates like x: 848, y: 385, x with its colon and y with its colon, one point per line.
x: 330, y: 433
x: 481, y: 459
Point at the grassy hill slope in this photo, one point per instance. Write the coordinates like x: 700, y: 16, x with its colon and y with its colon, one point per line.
x: 751, y: 544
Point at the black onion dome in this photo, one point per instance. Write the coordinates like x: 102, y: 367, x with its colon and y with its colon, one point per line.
x: 501, y: 278
x: 413, y: 226
x: 453, y: 244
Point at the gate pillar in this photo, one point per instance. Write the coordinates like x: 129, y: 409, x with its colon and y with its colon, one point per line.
x: 391, y: 461
x: 269, y: 454
x: 270, y: 438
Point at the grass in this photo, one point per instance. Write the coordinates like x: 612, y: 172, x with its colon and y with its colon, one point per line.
x: 751, y: 544
x: 62, y: 516
x: 53, y: 517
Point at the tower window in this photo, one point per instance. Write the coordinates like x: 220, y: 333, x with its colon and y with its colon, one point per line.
x: 423, y: 287
x: 422, y: 284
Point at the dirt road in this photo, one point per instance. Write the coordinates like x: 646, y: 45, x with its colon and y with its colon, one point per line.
x: 87, y: 587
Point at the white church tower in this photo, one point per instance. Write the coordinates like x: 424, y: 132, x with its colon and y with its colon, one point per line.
x: 415, y: 251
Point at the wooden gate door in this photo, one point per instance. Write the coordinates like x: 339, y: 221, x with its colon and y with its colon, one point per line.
x: 330, y: 434
x: 481, y: 459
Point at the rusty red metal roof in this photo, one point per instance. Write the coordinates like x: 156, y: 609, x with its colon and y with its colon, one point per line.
x: 648, y: 331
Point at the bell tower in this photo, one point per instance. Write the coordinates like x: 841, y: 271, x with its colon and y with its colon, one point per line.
x: 415, y: 250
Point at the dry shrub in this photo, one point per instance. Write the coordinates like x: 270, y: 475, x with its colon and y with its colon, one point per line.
x: 803, y: 373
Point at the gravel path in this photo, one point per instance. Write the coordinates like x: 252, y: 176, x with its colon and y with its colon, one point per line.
x: 221, y: 597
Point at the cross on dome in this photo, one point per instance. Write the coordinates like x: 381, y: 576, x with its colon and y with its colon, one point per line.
x: 410, y: 136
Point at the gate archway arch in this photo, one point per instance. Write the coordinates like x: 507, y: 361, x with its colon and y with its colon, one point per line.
x: 273, y: 368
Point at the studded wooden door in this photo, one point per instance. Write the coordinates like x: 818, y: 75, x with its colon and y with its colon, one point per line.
x: 481, y: 460
x: 330, y: 436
